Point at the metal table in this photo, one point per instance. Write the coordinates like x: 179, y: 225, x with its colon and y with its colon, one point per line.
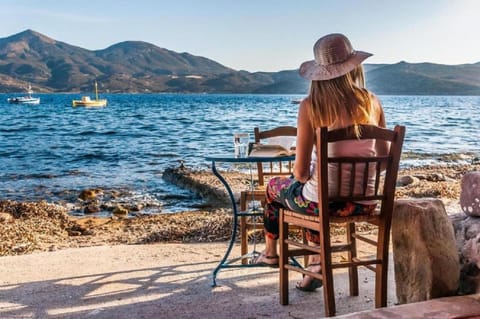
x: 225, y: 263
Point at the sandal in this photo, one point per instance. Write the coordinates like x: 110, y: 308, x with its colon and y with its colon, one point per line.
x: 312, y: 284
x: 261, y: 260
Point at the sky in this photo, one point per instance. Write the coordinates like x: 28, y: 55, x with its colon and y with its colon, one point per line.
x: 260, y: 35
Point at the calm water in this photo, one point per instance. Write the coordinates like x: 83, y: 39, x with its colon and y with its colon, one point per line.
x: 52, y: 151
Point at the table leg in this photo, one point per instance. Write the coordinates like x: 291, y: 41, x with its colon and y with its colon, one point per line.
x: 234, y: 227
x: 225, y: 263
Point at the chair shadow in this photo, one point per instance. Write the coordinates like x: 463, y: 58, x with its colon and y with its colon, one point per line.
x: 121, y: 294
x: 173, y: 291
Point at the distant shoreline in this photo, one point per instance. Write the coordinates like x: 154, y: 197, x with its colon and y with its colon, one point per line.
x: 212, y: 93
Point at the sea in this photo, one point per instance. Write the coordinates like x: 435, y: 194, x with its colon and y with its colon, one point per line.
x: 52, y: 151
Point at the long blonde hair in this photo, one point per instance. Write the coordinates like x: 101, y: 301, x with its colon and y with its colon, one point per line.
x: 333, y: 99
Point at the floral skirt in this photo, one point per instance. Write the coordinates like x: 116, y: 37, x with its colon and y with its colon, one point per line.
x: 285, y: 192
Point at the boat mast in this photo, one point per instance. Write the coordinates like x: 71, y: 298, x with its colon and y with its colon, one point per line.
x: 29, y: 90
x: 96, y: 91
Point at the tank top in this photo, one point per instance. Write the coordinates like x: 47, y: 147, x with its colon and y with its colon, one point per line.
x: 343, y: 148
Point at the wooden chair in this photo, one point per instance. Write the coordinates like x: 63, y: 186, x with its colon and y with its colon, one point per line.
x: 384, y: 191
x: 265, y: 171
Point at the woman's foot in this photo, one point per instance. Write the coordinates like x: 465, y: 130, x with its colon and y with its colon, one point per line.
x: 264, y: 260
x: 309, y: 283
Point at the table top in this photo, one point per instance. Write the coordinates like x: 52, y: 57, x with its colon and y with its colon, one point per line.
x: 230, y: 158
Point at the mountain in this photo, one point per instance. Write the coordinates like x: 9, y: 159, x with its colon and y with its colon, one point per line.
x: 127, y: 66
x: 425, y: 78
x: 135, y: 66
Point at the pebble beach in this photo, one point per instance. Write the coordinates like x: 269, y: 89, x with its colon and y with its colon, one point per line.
x: 28, y: 227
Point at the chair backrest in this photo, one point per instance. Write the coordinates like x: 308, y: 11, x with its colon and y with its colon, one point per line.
x: 368, y: 178
x: 267, y: 170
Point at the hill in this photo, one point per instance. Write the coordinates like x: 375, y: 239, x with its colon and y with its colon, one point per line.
x: 135, y: 66
x: 425, y: 78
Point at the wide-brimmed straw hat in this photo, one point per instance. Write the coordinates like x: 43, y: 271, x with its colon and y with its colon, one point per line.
x: 334, y: 57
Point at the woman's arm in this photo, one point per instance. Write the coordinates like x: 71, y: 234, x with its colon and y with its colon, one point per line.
x: 378, y: 111
x: 304, y: 146
x: 380, y: 148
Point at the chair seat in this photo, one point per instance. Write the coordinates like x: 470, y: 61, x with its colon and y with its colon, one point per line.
x: 248, y: 196
x: 335, y: 219
x: 257, y: 192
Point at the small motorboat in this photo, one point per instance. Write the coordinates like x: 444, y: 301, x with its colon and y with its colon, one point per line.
x: 28, y: 99
x: 88, y: 102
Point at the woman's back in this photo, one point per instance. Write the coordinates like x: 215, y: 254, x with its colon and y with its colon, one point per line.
x: 357, y: 148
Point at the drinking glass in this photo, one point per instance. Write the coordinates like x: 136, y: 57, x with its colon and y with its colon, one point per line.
x: 240, y: 142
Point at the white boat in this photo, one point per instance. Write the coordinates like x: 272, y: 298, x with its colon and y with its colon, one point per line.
x: 88, y: 102
x: 28, y: 99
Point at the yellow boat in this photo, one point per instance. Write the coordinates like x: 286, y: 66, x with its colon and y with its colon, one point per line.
x: 87, y: 101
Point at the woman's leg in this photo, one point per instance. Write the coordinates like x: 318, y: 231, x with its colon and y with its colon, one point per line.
x: 270, y: 219
x: 294, y: 200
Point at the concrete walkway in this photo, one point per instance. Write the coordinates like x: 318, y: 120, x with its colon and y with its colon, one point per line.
x: 159, y: 281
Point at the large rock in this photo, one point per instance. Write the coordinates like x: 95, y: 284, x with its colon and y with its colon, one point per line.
x: 470, y: 274
x: 425, y: 256
x: 206, y: 185
x: 467, y: 235
x: 465, y: 228
x: 470, y: 195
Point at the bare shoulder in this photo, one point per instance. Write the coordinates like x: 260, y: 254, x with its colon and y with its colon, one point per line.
x: 377, y: 105
x: 374, y: 99
x: 377, y: 111
x: 304, y: 105
x: 303, y: 119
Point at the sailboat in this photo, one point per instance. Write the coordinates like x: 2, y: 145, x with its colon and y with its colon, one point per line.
x: 87, y: 101
x: 28, y: 99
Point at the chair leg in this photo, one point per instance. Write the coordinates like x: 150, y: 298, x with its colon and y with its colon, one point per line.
x: 243, y: 238
x: 305, y: 242
x: 327, y: 274
x: 283, y: 236
x: 380, y: 287
x: 243, y: 228
x: 381, y: 271
x: 352, y: 254
x: 328, y: 294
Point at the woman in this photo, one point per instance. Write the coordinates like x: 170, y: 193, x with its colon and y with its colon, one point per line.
x: 337, y: 99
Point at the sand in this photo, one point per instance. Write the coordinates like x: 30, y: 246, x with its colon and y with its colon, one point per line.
x: 158, y: 281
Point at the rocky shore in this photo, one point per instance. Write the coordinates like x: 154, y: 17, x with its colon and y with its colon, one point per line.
x: 27, y: 227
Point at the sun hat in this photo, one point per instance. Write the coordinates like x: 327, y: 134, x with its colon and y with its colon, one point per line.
x: 334, y: 57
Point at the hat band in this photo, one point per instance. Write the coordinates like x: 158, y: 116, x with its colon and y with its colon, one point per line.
x: 352, y: 54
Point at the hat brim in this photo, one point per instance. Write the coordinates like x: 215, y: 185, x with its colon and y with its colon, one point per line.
x: 310, y: 70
